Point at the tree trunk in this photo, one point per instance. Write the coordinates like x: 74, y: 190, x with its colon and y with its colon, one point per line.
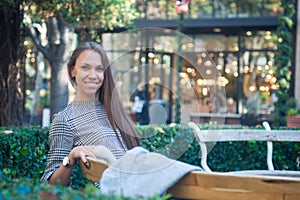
x: 60, y: 43
x: 59, y: 87
x: 61, y: 40
x: 11, y: 71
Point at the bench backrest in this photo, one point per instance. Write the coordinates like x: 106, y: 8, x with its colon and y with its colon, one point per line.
x: 226, y: 135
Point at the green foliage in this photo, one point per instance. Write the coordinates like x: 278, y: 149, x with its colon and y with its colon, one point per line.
x: 174, y: 141
x: 106, y: 14
x: 19, y: 189
x: 251, y: 155
x: 24, y: 149
x: 283, y: 61
x: 7, y: 6
x: 292, y: 112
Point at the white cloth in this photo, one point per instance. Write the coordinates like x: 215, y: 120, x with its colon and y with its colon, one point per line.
x: 138, y: 106
x: 140, y: 173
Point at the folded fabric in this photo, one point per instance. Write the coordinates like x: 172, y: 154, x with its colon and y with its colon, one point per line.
x: 140, y: 173
x: 103, y: 153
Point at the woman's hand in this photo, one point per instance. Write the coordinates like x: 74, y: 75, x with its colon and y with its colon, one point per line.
x: 63, y: 174
x: 81, y: 152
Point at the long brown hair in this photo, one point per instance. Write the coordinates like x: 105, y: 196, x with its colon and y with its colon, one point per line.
x: 109, y: 96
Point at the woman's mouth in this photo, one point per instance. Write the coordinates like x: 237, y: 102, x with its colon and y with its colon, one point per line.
x: 92, y: 84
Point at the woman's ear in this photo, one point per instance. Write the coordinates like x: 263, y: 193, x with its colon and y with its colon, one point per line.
x: 73, y: 73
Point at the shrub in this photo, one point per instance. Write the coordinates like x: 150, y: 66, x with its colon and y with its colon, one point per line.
x: 22, y: 188
x: 24, y: 150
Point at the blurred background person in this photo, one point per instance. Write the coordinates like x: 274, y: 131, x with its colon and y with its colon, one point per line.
x: 140, y: 105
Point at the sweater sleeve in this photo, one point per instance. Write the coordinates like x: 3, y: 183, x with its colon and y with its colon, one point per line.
x: 61, y: 142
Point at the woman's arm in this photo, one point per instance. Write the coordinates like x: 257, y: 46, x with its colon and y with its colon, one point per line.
x: 61, y: 143
x: 63, y: 173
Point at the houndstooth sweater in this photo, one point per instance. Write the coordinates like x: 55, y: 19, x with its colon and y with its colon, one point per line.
x: 81, y: 123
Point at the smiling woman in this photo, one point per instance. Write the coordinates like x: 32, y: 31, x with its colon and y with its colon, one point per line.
x: 95, y: 117
x: 88, y: 75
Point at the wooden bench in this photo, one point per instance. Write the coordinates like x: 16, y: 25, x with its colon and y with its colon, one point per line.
x: 227, y: 135
x: 243, y: 185
x: 251, y: 184
x: 223, y: 186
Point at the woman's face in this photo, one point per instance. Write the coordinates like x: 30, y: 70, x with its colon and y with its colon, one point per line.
x: 89, y: 75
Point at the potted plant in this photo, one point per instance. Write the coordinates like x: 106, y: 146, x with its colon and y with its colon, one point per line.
x: 43, y: 102
x: 293, y: 118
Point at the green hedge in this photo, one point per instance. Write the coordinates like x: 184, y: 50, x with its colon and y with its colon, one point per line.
x: 236, y: 156
x: 24, y: 149
x: 22, y: 188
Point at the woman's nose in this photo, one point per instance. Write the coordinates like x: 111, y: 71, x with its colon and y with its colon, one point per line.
x: 92, y: 73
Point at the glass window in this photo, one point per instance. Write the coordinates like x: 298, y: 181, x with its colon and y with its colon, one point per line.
x: 211, y: 64
x: 218, y: 42
x: 259, y: 40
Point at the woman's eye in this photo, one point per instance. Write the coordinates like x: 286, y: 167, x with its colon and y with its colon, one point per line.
x: 100, y: 69
x: 84, y: 67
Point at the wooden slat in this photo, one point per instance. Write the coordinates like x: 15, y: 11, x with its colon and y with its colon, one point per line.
x: 94, y: 170
x: 276, y: 173
x: 291, y: 197
x: 189, y: 192
x: 203, y: 185
x: 246, y: 135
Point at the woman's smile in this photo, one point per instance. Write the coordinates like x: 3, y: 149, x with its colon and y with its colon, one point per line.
x: 89, y: 75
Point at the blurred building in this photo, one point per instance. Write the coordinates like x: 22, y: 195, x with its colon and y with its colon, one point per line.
x: 218, y: 54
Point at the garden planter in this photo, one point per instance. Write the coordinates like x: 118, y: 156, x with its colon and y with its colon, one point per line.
x: 293, y: 121
x: 39, y: 110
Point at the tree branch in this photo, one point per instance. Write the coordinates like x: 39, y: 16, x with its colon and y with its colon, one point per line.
x: 33, y: 28
x: 37, y: 42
